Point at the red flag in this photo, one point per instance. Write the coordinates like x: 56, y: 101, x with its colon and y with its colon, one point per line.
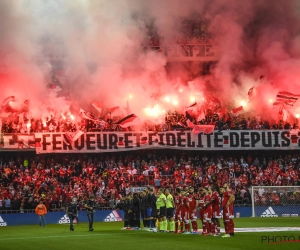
x: 115, y: 111
x: 251, y: 93
x: 7, y: 101
x: 192, y: 108
x: 277, y: 103
x: 206, y: 129
x: 128, y: 121
x: 190, y: 124
x: 201, y: 116
x: 25, y: 107
x: 9, y: 109
x: 97, y: 106
x: 287, y: 94
x: 215, y: 100
x: 213, y: 103
x: 181, y: 124
x: 286, y: 97
x: 87, y: 115
x: 238, y: 111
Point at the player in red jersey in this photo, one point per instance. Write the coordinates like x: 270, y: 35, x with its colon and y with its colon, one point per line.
x: 231, y: 210
x: 193, y: 203
x: 216, y: 202
x: 207, y: 212
x: 209, y: 206
x: 184, y: 209
x: 177, y: 200
x: 227, y: 200
x: 201, y: 206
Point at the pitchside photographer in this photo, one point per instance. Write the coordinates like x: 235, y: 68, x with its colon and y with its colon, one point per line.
x: 72, y: 212
x: 90, y: 205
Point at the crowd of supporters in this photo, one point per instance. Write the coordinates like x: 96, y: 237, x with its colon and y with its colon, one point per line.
x: 57, y: 178
x: 173, y: 121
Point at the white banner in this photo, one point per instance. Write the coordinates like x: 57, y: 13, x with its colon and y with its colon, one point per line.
x: 126, y: 141
x: 187, y: 52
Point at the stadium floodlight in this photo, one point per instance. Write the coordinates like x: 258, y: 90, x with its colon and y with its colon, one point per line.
x: 275, y: 201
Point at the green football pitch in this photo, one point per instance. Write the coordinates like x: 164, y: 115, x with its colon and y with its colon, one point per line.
x: 109, y: 236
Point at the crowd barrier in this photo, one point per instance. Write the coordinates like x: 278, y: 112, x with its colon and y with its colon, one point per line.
x: 59, y: 218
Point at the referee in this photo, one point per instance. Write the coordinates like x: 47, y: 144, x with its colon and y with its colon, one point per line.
x: 161, y: 210
x: 170, y: 205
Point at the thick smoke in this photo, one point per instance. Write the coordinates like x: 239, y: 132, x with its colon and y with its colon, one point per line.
x: 93, y: 51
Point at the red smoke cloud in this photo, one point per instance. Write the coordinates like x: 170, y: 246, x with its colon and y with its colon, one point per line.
x: 94, y: 50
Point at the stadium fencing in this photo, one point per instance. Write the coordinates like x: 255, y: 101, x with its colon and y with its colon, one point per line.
x: 275, y: 201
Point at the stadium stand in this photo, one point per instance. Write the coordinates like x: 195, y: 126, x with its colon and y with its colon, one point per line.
x: 25, y: 178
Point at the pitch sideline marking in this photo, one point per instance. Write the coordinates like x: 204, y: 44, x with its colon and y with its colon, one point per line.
x: 237, y: 230
x: 265, y: 229
x: 60, y: 236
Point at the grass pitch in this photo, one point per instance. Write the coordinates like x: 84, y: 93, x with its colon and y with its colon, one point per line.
x: 109, y: 236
